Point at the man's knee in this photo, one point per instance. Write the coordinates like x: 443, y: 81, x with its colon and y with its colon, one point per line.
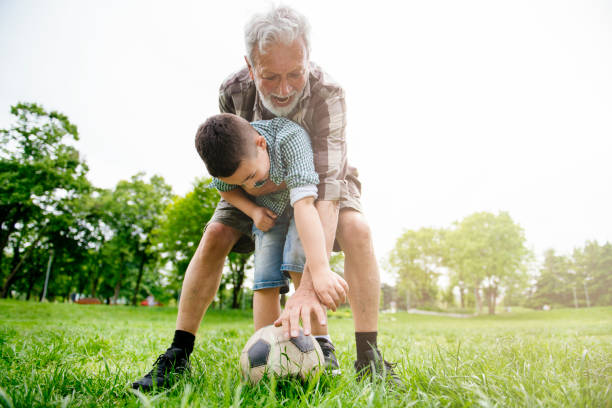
x: 353, y: 230
x: 218, y: 239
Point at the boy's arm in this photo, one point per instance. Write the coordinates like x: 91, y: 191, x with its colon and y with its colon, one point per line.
x: 330, y: 288
x: 262, y: 217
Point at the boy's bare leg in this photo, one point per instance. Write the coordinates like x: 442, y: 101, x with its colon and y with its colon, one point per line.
x: 266, y: 307
x: 204, y: 275
x: 316, y: 328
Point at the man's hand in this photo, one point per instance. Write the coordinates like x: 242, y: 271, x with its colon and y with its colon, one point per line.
x: 331, y: 288
x: 263, y: 218
x: 267, y: 188
x: 302, y: 304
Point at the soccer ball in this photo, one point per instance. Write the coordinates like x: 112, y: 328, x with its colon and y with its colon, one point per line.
x: 267, y: 351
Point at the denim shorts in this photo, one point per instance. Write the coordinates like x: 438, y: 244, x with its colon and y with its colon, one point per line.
x: 277, y: 251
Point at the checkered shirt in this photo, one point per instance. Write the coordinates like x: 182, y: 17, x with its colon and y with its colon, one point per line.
x: 291, y: 161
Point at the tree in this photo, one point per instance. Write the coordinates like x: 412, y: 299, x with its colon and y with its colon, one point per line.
x: 593, y: 267
x: 133, y: 211
x: 489, y: 252
x: 181, y: 229
x: 416, y: 259
x: 39, y: 175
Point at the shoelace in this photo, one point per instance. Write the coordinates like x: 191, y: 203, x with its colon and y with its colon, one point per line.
x: 326, y: 347
x: 159, y: 364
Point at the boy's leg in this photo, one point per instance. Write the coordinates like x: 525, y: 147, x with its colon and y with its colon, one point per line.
x: 268, y: 279
x: 266, y: 307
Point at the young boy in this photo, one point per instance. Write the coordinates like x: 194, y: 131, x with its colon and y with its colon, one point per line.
x: 236, y: 154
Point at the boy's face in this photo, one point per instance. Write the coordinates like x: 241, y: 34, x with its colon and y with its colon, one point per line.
x: 254, y: 170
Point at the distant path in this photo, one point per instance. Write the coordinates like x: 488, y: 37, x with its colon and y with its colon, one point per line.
x: 427, y: 312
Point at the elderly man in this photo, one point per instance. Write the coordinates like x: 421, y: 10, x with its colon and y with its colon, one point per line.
x: 279, y: 80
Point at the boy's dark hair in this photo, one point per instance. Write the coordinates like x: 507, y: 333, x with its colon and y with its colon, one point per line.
x: 222, y: 142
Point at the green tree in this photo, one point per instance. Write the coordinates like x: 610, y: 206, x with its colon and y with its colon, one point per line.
x: 39, y: 175
x: 181, y: 228
x: 488, y: 251
x: 416, y: 260
x: 593, y: 267
x: 555, y: 284
x: 133, y: 211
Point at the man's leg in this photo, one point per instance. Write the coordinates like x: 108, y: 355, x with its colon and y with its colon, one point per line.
x: 199, y: 288
x: 362, y: 275
x: 360, y: 269
x: 204, y: 275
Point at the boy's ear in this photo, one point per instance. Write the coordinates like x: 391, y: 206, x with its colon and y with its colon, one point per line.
x: 260, y: 141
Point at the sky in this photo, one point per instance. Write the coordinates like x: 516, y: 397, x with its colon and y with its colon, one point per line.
x: 454, y: 107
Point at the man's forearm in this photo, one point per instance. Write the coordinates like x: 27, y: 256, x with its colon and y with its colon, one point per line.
x: 238, y: 199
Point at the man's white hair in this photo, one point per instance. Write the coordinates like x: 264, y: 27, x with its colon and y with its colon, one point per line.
x: 280, y: 24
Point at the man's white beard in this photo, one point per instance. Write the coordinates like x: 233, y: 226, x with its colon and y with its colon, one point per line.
x: 282, y: 111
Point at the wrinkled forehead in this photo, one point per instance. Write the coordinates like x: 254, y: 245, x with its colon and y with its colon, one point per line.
x: 279, y: 56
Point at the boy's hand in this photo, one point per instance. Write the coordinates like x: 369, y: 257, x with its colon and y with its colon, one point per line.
x: 263, y: 218
x: 331, y: 288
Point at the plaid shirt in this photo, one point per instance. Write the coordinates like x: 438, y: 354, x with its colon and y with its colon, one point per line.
x: 321, y: 111
x: 290, y: 161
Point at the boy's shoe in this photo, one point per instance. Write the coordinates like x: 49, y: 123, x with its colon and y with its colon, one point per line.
x: 374, y: 363
x: 168, y: 366
x: 331, y: 362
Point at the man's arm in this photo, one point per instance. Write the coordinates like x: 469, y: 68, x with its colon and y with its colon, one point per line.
x: 262, y: 217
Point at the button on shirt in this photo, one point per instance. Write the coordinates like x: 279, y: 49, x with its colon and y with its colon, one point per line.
x: 291, y: 161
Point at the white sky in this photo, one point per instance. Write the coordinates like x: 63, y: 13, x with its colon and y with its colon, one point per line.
x: 453, y: 106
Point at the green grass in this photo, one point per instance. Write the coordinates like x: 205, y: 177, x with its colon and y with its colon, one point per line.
x: 73, y: 355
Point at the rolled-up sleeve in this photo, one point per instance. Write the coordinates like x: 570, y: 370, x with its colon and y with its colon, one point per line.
x: 296, y: 194
x: 329, y: 145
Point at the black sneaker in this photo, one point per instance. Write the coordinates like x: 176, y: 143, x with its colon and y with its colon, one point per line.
x: 382, y: 368
x: 331, y: 362
x: 166, y: 369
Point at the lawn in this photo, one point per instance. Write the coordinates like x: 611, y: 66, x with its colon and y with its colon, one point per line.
x: 73, y: 355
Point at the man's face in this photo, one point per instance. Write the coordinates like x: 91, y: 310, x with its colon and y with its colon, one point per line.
x: 253, y: 171
x: 280, y: 75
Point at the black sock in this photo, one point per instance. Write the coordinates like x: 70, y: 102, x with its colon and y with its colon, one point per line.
x: 365, y: 341
x: 183, y: 340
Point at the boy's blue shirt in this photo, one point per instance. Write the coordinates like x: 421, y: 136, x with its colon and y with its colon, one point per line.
x: 291, y: 161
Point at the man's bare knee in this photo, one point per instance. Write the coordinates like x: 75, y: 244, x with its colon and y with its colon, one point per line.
x: 218, y: 239
x: 354, y: 231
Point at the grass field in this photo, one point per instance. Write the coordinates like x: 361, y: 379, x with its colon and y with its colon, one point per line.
x: 73, y: 355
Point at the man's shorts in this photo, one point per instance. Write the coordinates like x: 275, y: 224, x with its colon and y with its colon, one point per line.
x: 277, y: 251
x: 227, y: 214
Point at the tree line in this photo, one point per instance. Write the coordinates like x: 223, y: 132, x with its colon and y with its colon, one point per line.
x: 484, y: 258
x: 114, y: 244
x: 60, y: 235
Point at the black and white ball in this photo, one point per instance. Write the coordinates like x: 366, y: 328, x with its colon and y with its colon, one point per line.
x: 267, y: 351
